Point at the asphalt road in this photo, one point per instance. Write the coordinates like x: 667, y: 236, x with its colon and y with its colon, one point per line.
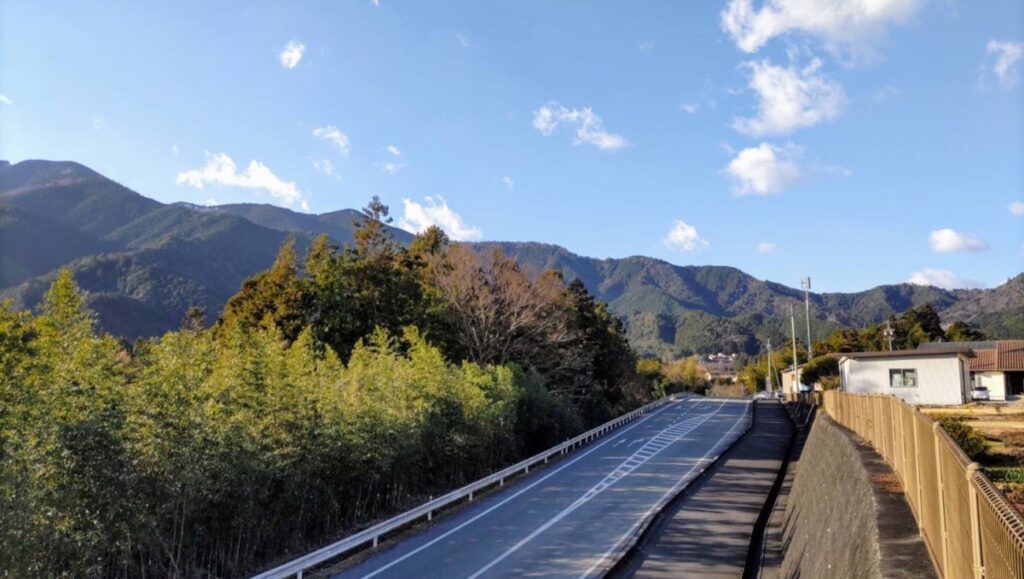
x: 575, y: 517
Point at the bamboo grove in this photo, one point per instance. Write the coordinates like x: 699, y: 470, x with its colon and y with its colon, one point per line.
x: 332, y: 391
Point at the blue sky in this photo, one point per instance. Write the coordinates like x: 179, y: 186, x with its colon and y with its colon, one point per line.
x: 857, y: 142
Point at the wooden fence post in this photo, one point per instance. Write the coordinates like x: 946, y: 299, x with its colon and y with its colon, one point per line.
x: 972, y: 491
x: 942, y: 498
x: 917, y: 468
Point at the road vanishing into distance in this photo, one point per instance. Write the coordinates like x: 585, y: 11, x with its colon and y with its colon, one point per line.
x: 576, y: 517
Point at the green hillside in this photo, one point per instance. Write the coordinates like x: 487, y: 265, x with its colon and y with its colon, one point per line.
x: 143, y: 263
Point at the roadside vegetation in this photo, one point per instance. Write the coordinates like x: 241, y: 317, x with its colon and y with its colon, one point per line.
x: 334, y: 391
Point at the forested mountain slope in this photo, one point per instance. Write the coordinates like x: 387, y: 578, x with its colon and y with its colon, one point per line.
x: 143, y: 263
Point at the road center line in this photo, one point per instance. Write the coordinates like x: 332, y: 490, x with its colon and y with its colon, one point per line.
x: 675, y: 488
x: 530, y: 486
x: 657, y: 443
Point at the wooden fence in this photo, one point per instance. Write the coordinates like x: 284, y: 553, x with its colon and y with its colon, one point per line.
x: 970, y: 528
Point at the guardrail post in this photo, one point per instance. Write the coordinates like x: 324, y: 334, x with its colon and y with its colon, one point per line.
x: 942, y: 498
x: 375, y: 537
x: 972, y: 492
x: 471, y: 495
x: 501, y: 482
x: 430, y: 515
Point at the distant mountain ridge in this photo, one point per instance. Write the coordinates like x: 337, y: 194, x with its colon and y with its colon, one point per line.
x: 144, y: 263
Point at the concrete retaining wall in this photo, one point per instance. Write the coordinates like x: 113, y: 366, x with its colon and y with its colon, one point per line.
x: 843, y: 515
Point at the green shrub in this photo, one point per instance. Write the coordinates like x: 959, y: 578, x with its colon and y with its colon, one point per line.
x: 971, y: 441
x: 1006, y: 474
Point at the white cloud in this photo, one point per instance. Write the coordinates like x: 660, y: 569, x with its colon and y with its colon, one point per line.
x: 767, y: 247
x: 765, y: 169
x: 1006, y: 55
x: 689, y: 107
x: 325, y: 167
x: 949, y: 241
x: 331, y: 134
x: 99, y: 122
x: 1017, y: 208
x: 210, y: 202
x: 416, y: 218
x: 391, y: 168
x: 588, y: 126
x: 375, y: 3
x: 942, y: 278
x: 509, y: 183
x: 220, y: 169
x: 393, y: 150
x: 841, y: 25
x: 790, y: 98
x: 292, y: 54
x: 5, y: 101
x: 463, y: 41
x: 885, y: 94
x: 684, y: 237
x: 174, y: 149
x: 645, y: 45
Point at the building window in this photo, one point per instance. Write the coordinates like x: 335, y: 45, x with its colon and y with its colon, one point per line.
x: 903, y: 378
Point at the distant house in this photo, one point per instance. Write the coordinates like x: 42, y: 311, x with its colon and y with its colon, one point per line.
x: 934, y: 376
x: 998, y: 365
x: 789, y: 383
x: 718, y: 366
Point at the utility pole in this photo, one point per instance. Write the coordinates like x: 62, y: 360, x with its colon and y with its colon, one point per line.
x: 771, y: 384
x: 796, y: 365
x: 888, y: 332
x: 805, y: 282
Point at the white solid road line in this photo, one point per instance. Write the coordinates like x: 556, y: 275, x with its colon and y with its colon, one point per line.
x: 528, y: 487
x: 675, y: 489
x: 618, y: 473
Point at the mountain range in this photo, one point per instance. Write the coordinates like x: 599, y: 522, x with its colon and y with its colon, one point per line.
x: 143, y: 263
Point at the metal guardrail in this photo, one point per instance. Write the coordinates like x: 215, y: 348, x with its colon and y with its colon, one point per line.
x: 372, y: 535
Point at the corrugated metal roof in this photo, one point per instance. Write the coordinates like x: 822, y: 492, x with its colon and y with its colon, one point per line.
x: 980, y: 345
x: 996, y: 356
x: 948, y: 349
x: 983, y: 361
x: 1010, y: 355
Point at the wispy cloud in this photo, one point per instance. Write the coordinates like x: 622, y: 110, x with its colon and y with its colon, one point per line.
x: 221, y: 170
x: 1017, y: 208
x: 509, y: 183
x: 790, y: 98
x: 390, y: 167
x: 174, y: 149
x: 765, y: 169
x: 1003, y: 58
x: 325, y: 167
x: 942, y: 278
x: 767, y: 247
x: 885, y: 94
x: 684, y: 237
x: 393, y: 150
x: 291, y: 54
x: 417, y: 218
x: 588, y: 127
x: 333, y: 135
x: 99, y: 122
x: 951, y: 241
x: 463, y: 41
x: 689, y: 107
x: 6, y: 101
x: 644, y: 45
x: 842, y: 26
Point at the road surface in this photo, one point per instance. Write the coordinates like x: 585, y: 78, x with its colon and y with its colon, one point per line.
x: 574, y: 518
